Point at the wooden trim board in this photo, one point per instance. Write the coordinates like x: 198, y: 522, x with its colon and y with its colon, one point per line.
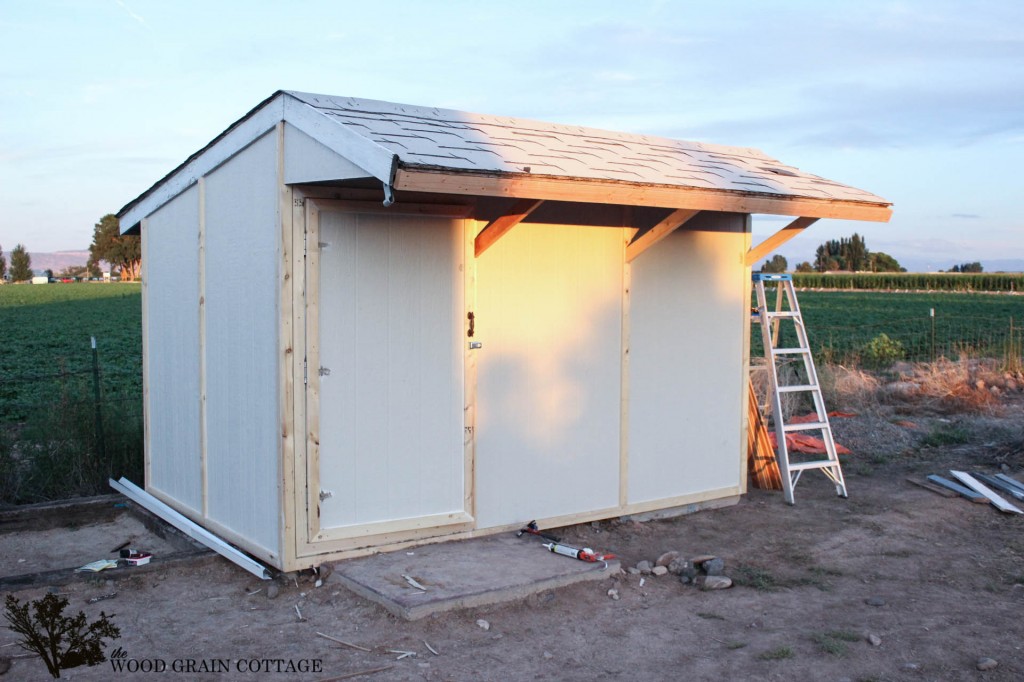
x: 606, y: 192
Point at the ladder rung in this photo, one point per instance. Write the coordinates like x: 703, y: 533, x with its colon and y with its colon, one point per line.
x: 820, y: 464
x: 808, y: 426
x: 790, y: 351
x: 797, y: 389
x: 782, y: 313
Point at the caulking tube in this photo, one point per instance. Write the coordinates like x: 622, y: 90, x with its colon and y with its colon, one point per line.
x: 571, y: 552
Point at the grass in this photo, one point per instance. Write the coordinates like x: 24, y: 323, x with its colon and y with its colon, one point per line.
x: 709, y: 616
x: 946, y: 434
x: 776, y: 654
x: 834, y: 641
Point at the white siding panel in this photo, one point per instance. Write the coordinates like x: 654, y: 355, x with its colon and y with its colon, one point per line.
x: 172, y: 291
x: 307, y: 160
x: 549, y: 315
x: 391, y: 406
x: 687, y: 319
x: 242, y: 310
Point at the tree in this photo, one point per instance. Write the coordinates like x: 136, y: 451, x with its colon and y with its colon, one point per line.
x: 122, y: 252
x: 776, y: 263
x: 3, y: 263
x: 61, y: 641
x: 21, y: 264
x: 968, y: 267
x: 883, y: 262
x: 804, y: 267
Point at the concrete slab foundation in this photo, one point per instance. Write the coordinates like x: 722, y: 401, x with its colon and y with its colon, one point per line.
x: 464, y: 574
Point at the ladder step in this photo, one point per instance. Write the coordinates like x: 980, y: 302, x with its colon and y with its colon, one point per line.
x: 808, y: 426
x: 790, y: 351
x: 782, y: 313
x: 820, y: 464
x: 797, y: 389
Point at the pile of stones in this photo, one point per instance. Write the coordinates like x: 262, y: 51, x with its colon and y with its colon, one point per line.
x: 705, y: 571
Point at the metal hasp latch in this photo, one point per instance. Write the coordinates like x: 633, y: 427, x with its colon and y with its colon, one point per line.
x: 474, y: 345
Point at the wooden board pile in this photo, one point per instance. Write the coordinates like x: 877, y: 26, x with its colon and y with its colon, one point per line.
x: 977, y: 487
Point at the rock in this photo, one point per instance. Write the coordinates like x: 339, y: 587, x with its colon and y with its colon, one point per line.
x: 273, y: 590
x: 325, y: 570
x: 874, y: 601
x: 548, y: 655
x: 1011, y: 385
x: 483, y: 624
x: 714, y: 566
x: 632, y: 570
x: 910, y: 666
x: 644, y: 567
x: 685, y: 579
x: 701, y: 558
x: 614, y: 594
x: 716, y: 582
x: 901, y: 388
x: 980, y: 384
x: 874, y: 639
x: 678, y: 566
x: 659, y: 570
x: 5, y: 664
x: 986, y: 663
x: 667, y: 558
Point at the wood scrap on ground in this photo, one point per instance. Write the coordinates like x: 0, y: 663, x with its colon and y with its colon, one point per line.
x: 939, y: 490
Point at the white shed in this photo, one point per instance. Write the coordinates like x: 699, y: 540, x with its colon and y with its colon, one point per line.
x: 368, y: 325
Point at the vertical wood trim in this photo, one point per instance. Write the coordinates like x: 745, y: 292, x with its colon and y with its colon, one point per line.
x: 745, y: 372
x: 627, y: 283
x: 312, y: 377
x: 204, y: 483
x: 470, y: 228
x: 144, y: 277
x: 296, y: 512
x: 286, y: 360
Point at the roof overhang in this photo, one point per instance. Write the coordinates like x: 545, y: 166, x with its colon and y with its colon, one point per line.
x: 550, y: 188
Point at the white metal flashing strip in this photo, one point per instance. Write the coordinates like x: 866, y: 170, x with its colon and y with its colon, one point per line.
x: 375, y: 159
x: 185, y: 525
x: 976, y: 485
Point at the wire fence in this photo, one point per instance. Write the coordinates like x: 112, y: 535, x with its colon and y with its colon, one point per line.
x: 64, y: 433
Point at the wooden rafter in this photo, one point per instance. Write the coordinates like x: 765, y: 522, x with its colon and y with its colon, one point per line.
x: 645, y: 240
x: 499, y: 226
x: 778, y: 239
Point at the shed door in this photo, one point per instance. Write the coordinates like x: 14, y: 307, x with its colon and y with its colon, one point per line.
x: 385, y: 400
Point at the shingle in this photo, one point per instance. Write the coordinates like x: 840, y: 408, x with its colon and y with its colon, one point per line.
x: 445, y: 138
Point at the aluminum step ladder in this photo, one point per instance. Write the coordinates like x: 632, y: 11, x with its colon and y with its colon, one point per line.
x: 788, y: 310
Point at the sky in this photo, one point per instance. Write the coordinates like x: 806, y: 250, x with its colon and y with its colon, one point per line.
x: 919, y: 102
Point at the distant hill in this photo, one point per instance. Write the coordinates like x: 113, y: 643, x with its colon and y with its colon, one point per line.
x: 58, y: 260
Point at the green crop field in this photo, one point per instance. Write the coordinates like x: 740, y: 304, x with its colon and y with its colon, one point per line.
x: 46, y: 341
x: 56, y: 439
x: 841, y: 325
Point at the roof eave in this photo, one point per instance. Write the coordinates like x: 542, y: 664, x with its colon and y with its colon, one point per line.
x: 587, y: 190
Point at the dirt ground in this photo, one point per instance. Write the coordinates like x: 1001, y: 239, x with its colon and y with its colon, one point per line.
x: 939, y: 582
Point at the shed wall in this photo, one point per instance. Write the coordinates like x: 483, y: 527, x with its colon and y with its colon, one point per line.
x: 172, y: 346
x: 688, y: 314
x: 242, y: 315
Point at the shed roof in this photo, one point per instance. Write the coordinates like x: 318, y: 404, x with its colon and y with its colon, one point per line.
x: 456, y: 152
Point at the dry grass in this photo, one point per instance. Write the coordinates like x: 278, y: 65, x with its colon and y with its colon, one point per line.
x: 966, y: 386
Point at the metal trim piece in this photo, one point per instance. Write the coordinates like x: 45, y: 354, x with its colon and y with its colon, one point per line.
x: 190, y: 528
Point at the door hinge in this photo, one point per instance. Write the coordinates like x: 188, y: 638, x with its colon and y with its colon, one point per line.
x: 305, y: 372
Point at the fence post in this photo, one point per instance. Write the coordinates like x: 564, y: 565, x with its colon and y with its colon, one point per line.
x: 931, y: 313
x: 100, y: 441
